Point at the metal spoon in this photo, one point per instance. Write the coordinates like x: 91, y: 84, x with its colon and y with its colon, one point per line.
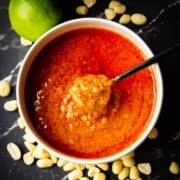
x: 157, y: 58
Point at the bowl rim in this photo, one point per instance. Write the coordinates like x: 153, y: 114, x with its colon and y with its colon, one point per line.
x: 40, y: 43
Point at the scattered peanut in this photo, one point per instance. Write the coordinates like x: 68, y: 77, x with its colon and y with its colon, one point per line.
x: 5, y: 88
x: 99, y: 176
x: 61, y: 163
x: 31, y: 147
x: 80, y: 167
x: 28, y: 158
x: 117, y: 167
x: 40, y: 153
x: 103, y: 166
x: 109, y: 14
x: 75, y: 174
x: 174, y: 168
x: 145, y: 168
x: 82, y: 10
x: 124, y: 173
x: 29, y: 138
x: 11, y: 105
x: 20, y: 123
x: 14, y: 151
x: 89, y: 3
x: 25, y: 42
x: 88, y: 166
x: 121, y: 9
x: 113, y: 4
x: 134, y: 173
x: 153, y: 134
x: 125, y: 19
x: 69, y: 166
x: 92, y: 171
x: 53, y: 158
x: 44, y: 163
x: 138, y: 19
x: 129, y: 155
x: 27, y: 131
x: 84, y: 178
x: 128, y: 162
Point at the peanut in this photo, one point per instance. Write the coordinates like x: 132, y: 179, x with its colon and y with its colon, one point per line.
x: 21, y: 123
x: 75, y: 174
x: 5, y: 88
x: 153, y: 134
x: 25, y: 42
x: 14, y: 151
x: 68, y: 166
x: 117, y: 167
x: 40, y: 153
x: 145, y: 168
x: 134, y: 173
x: 124, y: 173
x: 11, y: 105
x: 174, y: 168
x: 92, y: 171
x: 128, y: 162
x: 125, y: 19
x: 109, y: 14
x: 99, y: 176
x: 82, y: 10
x: 28, y: 158
x: 89, y: 3
x: 138, y: 19
x: 44, y: 163
x: 103, y: 166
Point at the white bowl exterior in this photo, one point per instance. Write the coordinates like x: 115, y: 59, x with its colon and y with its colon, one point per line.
x: 66, y: 27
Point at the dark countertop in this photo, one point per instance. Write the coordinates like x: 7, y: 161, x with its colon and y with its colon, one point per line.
x: 161, y: 31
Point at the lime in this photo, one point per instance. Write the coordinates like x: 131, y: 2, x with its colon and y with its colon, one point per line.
x: 31, y: 18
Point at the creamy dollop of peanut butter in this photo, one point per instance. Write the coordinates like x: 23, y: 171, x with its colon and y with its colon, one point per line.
x: 87, y: 97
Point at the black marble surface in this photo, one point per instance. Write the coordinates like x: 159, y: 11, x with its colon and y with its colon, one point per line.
x: 161, y: 31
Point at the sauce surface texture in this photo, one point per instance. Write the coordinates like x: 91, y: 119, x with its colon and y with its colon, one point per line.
x: 75, y: 54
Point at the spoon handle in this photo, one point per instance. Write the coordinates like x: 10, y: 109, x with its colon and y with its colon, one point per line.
x: 157, y: 58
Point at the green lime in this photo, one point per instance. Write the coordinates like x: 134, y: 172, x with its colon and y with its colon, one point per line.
x: 31, y: 18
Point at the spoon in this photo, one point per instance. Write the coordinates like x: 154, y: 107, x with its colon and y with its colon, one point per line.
x: 157, y: 58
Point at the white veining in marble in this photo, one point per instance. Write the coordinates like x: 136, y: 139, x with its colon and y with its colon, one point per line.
x: 152, y: 25
x: 53, y: 175
x: 2, y: 36
x: 6, y: 41
x: 176, y: 137
x: 12, y: 127
x: 15, y: 43
x: 11, y: 77
x: 101, y: 15
x: 4, y: 48
x: 65, y: 177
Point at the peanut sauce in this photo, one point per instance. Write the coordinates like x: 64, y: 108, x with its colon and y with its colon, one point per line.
x: 96, y: 129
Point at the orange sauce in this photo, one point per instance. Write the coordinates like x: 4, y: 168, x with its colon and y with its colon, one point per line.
x: 75, y: 54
